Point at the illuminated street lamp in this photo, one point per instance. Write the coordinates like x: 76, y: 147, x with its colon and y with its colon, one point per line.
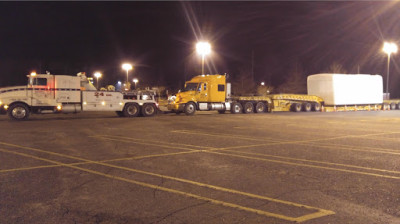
x: 97, y: 75
x: 127, y: 67
x: 135, y: 80
x: 388, y: 48
x: 203, y: 48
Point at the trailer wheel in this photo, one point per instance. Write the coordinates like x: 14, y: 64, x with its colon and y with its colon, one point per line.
x: 392, y: 106
x: 260, y: 107
x: 236, y: 108
x: 306, y: 107
x: 190, y: 108
x: 149, y: 110
x: 296, y: 107
x: 316, y: 107
x: 248, y: 108
x: 385, y: 106
x: 131, y: 110
x: 18, y: 112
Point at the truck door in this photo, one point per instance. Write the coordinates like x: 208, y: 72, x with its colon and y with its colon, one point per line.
x: 202, y: 92
x: 42, y: 91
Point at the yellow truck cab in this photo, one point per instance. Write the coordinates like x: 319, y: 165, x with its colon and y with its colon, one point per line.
x: 203, y: 92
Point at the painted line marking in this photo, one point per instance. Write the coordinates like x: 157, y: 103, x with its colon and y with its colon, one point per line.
x: 288, y: 158
x: 230, y: 149
x: 152, y: 143
x: 302, y: 127
x: 283, y: 141
x: 309, y: 165
x: 223, y: 135
x: 108, y: 160
x: 385, y: 139
x: 142, y: 140
x: 309, y: 161
x: 359, y: 148
x: 320, y: 213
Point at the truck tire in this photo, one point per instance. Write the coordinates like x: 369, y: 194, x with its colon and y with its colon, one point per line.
x: 18, y: 111
x: 190, y: 108
x: 248, y: 108
x: 392, y: 106
x: 316, y: 107
x: 148, y: 110
x: 236, y: 108
x: 306, y: 107
x: 260, y: 107
x: 385, y: 106
x: 296, y: 107
x: 131, y: 110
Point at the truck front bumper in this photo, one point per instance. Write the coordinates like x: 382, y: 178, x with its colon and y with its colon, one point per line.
x: 175, y: 107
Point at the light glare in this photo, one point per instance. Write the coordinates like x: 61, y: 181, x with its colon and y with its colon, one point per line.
x: 97, y: 74
x: 203, y: 48
x: 127, y: 66
x: 389, y: 48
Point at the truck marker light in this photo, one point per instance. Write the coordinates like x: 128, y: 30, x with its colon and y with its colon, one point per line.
x: 103, y: 103
x: 121, y: 104
x: 1, y: 103
x: 5, y: 107
x: 58, y: 107
x: 84, y: 103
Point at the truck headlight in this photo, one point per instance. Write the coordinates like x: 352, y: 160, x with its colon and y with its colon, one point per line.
x: 171, y: 98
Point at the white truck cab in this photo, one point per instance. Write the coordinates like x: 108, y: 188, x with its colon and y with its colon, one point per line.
x: 46, y: 93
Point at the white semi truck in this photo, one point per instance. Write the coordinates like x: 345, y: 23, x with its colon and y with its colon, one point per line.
x: 46, y: 93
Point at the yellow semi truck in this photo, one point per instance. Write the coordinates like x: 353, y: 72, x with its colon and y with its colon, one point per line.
x: 212, y: 92
x: 326, y: 92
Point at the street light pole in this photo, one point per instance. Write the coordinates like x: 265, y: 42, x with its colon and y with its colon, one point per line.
x: 97, y: 75
x: 387, y: 75
x: 202, y: 64
x: 127, y: 67
x: 388, y: 48
x: 135, y: 80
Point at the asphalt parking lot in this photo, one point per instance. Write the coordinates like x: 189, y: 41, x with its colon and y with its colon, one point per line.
x: 341, y: 167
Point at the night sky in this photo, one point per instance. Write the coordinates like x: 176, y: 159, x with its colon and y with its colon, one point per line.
x: 159, y: 39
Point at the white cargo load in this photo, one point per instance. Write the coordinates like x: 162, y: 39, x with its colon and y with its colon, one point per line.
x: 346, y: 89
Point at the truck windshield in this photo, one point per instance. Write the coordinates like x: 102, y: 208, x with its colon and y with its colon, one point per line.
x: 190, y: 87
